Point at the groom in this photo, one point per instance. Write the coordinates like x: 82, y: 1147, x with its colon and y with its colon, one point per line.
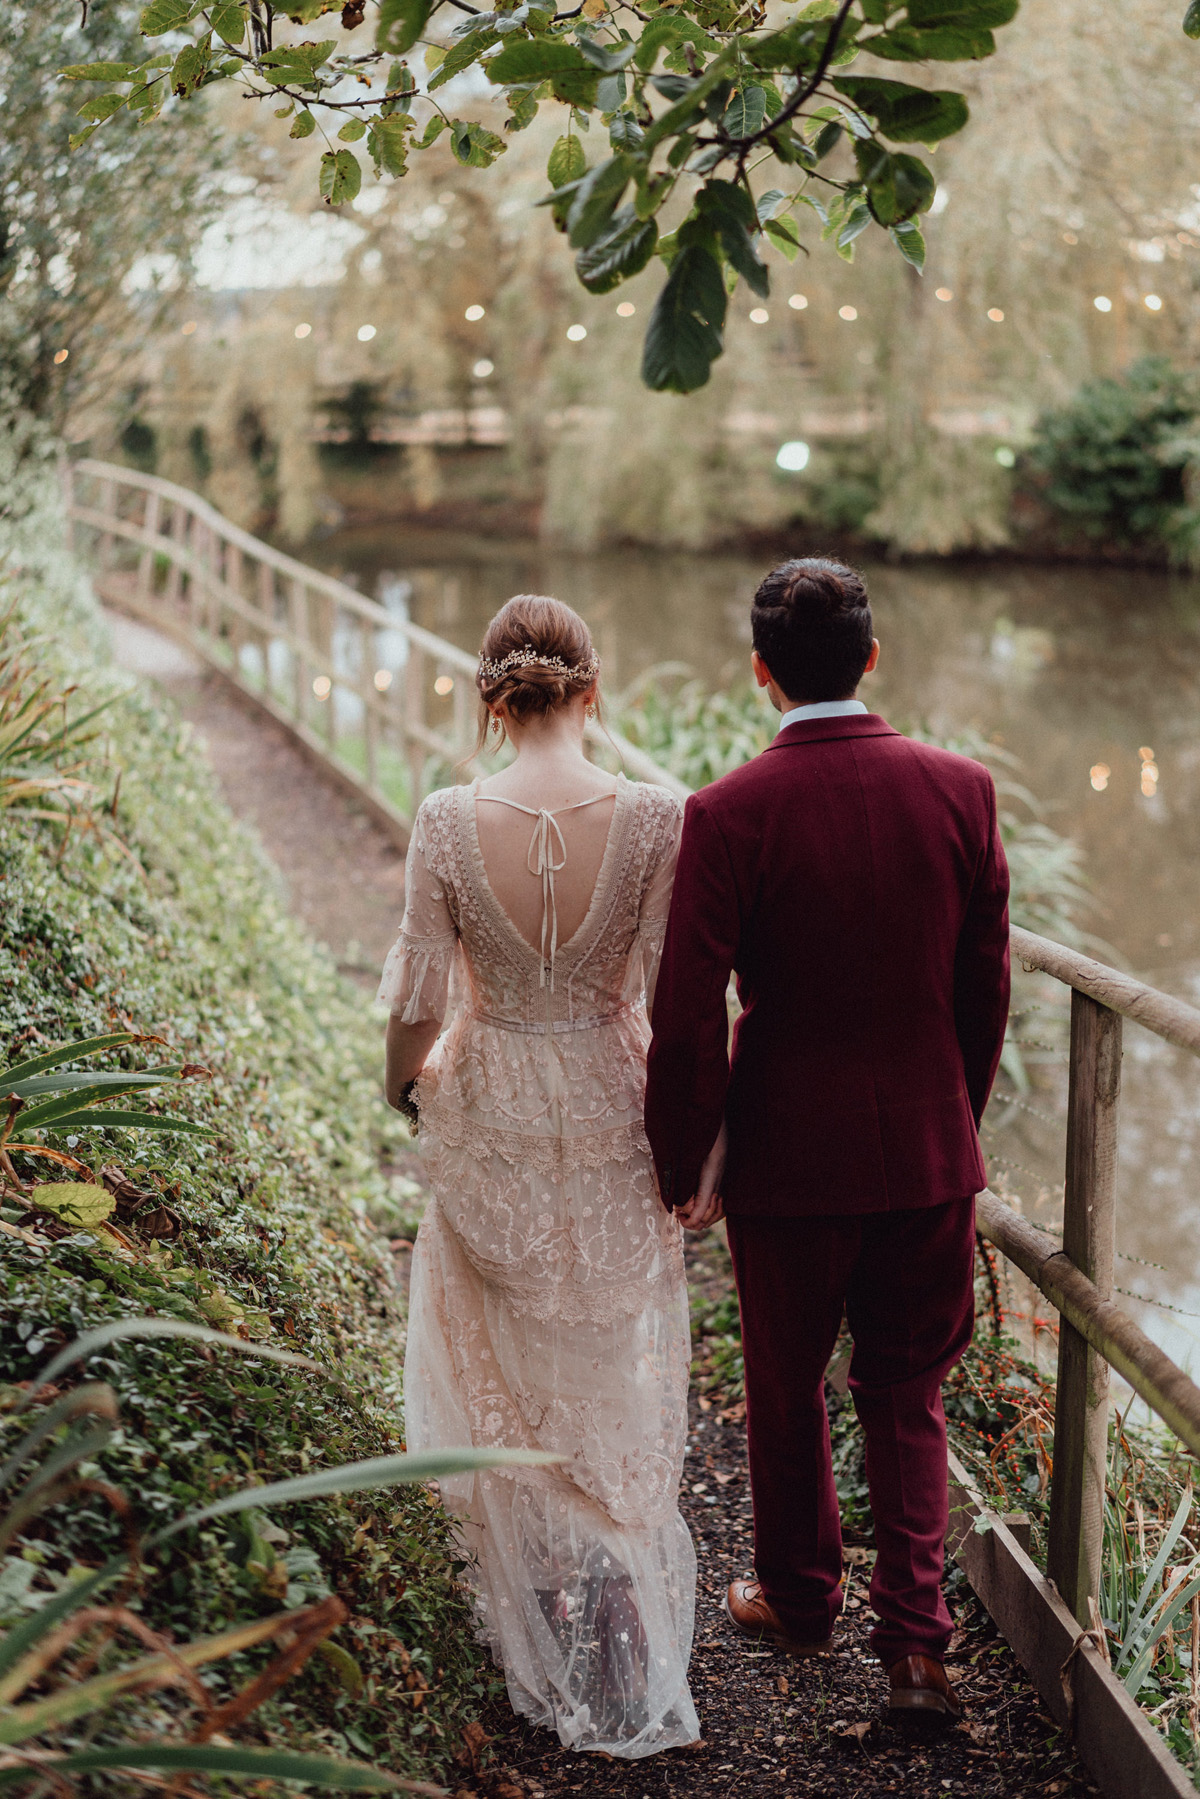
x: 855, y: 881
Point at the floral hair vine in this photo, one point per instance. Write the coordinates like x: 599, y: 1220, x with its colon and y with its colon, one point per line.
x: 529, y: 658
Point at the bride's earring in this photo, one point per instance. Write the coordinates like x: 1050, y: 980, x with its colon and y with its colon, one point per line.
x: 495, y: 725
x: 591, y: 711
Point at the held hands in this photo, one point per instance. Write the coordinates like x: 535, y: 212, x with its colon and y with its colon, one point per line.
x: 706, y: 1205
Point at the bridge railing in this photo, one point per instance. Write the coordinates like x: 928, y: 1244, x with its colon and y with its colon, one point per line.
x: 391, y: 708
x: 388, y: 706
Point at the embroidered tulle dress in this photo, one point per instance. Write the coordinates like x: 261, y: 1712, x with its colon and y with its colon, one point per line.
x: 548, y: 1306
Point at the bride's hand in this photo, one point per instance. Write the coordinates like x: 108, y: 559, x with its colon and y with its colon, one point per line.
x: 706, y: 1205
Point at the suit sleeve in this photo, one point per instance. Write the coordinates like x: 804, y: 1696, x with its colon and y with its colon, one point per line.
x: 981, y: 969
x: 688, y: 1064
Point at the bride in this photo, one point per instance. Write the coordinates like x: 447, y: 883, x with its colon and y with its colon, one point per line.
x: 548, y: 1308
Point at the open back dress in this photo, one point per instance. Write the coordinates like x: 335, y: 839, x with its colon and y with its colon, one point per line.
x: 548, y: 1304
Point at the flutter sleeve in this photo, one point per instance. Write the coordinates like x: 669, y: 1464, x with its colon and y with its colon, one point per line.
x: 656, y: 899
x: 416, y: 977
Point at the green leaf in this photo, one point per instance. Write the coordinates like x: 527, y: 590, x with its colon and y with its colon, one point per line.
x: 303, y: 125
x: 729, y: 211
x: 769, y: 204
x: 523, y: 107
x: 75, y: 1202
x: 75, y: 138
x: 666, y: 30
x: 963, y: 15
x: 101, y: 71
x: 624, y: 133
x: 432, y: 131
x: 351, y: 131
x: 401, y: 23
x: 162, y: 16
x: 474, y: 145
x: 21, y: 1639
x: 609, y: 62
x: 908, y: 115
x: 213, y: 1758
x: 746, y: 112
x: 356, y: 1477
x: 620, y: 252
x: 143, y: 1121
x: 785, y: 235
x: 568, y: 160
x: 190, y: 67
x: 947, y: 44
x: 229, y: 22
x: 460, y: 56
x: 597, y: 198
x: 93, y: 1342
x: 340, y: 177
x: 572, y: 78
x: 909, y: 241
x: 898, y: 185
x: 1191, y: 20
x: 102, y: 107
x: 387, y: 143
x: 686, y: 332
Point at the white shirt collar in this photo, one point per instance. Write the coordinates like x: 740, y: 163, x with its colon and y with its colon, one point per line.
x: 821, y: 709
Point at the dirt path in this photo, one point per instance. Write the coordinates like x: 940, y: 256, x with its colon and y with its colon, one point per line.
x: 772, y: 1726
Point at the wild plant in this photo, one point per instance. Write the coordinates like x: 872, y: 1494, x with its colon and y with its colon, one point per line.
x: 68, y: 1652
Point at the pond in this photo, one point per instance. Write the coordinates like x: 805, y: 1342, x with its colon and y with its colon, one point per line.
x: 1086, y: 675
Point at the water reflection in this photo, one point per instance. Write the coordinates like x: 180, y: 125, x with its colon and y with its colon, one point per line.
x: 1090, y: 676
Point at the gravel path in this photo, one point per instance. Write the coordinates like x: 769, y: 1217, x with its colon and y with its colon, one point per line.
x: 772, y: 1726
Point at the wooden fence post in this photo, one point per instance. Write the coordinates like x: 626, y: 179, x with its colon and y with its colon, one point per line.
x: 145, y: 569
x: 1089, y: 1227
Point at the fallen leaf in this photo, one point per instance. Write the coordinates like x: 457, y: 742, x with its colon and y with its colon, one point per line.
x: 856, y: 1732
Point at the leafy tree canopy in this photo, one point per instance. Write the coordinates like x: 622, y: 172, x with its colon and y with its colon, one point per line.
x: 693, y: 95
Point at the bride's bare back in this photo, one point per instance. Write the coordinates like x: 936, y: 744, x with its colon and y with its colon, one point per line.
x: 515, y: 843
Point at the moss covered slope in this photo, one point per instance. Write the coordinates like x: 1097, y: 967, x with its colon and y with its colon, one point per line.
x: 283, y: 1212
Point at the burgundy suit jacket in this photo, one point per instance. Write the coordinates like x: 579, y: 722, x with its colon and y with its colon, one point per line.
x: 855, y: 881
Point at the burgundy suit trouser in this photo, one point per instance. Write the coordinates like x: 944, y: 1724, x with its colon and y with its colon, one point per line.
x: 905, y: 1280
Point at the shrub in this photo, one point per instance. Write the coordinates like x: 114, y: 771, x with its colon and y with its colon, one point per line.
x: 1112, y: 465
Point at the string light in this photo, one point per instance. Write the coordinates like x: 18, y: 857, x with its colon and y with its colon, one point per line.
x: 847, y: 312
x: 1098, y: 775
x: 473, y: 313
x: 188, y: 327
x: 996, y: 316
x: 576, y: 333
x: 303, y: 331
x: 322, y: 687
x: 798, y: 302
x: 944, y: 293
x: 1006, y: 457
x: 483, y: 368
x: 383, y: 679
x: 443, y: 685
x: 365, y: 333
x: 792, y: 456
x: 1102, y: 303
x: 1149, y: 772
x: 626, y: 309
x: 60, y: 356
x: 1153, y: 302
x: 759, y: 316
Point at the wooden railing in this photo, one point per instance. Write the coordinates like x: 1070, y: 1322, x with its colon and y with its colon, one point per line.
x: 388, y: 707
x: 1077, y: 1275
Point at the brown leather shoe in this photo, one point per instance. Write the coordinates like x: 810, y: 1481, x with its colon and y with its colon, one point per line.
x: 922, y: 1695
x: 746, y: 1607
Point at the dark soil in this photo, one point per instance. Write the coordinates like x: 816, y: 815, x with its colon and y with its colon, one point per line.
x: 772, y: 1725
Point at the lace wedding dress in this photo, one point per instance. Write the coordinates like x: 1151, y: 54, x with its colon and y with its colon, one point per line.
x: 548, y: 1306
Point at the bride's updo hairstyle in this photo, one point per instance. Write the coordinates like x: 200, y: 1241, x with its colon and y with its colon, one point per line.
x: 536, y: 656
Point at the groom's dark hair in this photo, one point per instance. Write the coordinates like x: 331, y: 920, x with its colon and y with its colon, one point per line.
x: 811, y: 624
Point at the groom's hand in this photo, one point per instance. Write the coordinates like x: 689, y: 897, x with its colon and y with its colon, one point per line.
x: 706, y: 1205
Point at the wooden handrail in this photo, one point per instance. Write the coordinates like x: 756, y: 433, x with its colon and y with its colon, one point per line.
x: 310, y: 640
x: 1172, y: 1019
x: 1154, y: 1377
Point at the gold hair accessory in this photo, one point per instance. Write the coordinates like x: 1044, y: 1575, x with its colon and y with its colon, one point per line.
x: 529, y: 658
